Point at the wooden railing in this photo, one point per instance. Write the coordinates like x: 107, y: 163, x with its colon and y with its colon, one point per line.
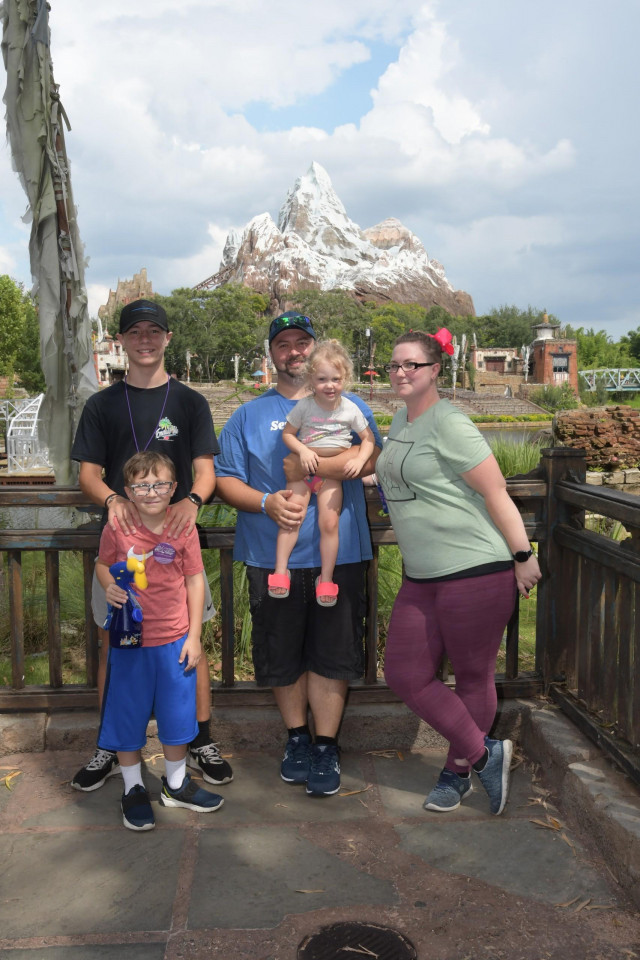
x: 587, y: 620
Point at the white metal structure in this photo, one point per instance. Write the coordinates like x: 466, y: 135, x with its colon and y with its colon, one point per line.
x: 25, y: 452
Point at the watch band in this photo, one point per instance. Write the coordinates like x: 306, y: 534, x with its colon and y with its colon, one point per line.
x: 521, y: 556
x: 195, y: 498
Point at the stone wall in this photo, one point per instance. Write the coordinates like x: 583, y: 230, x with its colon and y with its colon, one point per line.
x: 610, y: 435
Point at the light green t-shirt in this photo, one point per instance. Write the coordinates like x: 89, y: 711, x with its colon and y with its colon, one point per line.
x: 442, y: 525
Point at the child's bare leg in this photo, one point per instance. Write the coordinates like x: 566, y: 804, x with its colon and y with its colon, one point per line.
x: 287, y: 539
x: 329, y: 507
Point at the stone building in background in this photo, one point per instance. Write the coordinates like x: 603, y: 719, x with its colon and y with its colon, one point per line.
x: 109, y: 358
x: 139, y: 288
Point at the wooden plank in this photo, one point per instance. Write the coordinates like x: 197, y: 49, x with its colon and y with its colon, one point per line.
x: 584, y: 627
x: 634, y: 679
x: 594, y: 639
x: 600, y: 549
x: 92, y: 653
x: 16, y: 614
x: 52, y: 568
x: 610, y: 644
x: 227, y: 616
x: 371, y: 636
x: 610, y: 503
x: 626, y: 616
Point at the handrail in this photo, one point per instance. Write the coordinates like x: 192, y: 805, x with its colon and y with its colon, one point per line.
x: 528, y: 492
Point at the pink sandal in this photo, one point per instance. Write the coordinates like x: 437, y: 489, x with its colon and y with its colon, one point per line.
x: 279, y: 581
x: 326, y: 589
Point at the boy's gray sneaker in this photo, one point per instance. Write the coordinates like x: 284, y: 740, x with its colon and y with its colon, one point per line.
x: 495, y: 776
x: 103, y: 764
x: 297, y: 759
x: 448, y: 792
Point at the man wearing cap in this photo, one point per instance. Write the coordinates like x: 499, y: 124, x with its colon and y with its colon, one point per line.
x: 307, y: 653
x: 148, y: 410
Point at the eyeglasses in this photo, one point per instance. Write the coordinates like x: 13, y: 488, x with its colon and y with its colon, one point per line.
x: 283, y: 323
x: 161, y: 487
x: 409, y: 366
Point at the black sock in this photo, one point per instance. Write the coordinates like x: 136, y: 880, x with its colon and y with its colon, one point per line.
x: 482, y: 762
x: 204, y: 736
x: 297, y: 731
x: 328, y: 740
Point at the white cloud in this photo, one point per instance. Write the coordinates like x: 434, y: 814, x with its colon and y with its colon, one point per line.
x: 483, y: 136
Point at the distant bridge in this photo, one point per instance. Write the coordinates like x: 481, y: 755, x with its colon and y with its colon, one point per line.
x: 614, y: 380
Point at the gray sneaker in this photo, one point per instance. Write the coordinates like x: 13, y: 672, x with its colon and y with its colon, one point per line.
x: 495, y: 776
x: 448, y: 792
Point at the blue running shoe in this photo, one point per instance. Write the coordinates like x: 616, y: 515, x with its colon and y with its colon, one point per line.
x: 297, y: 759
x: 324, y: 773
x: 190, y: 796
x: 495, y: 776
x: 136, y: 809
x: 448, y: 792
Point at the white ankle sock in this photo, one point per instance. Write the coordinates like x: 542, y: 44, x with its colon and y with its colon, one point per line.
x: 175, y: 771
x: 131, y: 776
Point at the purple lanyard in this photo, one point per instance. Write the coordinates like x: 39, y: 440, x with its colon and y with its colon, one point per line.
x: 133, y: 429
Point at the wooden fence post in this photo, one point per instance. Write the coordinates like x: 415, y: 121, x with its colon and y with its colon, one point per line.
x: 558, y: 577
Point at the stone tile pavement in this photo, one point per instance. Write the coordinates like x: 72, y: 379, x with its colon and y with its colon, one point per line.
x: 273, y: 865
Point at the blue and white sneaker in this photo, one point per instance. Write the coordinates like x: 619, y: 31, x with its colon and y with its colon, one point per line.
x: 190, y: 796
x: 495, y: 776
x: 448, y: 792
x: 324, y: 773
x: 297, y: 759
x: 136, y: 809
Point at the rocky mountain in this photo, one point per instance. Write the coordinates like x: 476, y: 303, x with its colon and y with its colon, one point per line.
x: 315, y: 244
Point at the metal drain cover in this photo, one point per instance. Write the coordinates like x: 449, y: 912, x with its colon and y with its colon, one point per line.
x: 356, y: 941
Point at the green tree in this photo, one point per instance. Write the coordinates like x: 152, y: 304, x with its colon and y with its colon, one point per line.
x: 597, y: 350
x: 19, y: 336
x: 213, y: 326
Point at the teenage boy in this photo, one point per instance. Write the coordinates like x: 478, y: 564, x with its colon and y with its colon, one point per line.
x: 148, y: 410
x: 305, y: 652
x: 157, y: 676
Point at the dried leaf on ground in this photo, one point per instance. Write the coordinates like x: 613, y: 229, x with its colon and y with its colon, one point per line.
x: 581, y: 906
x: 386, y: 754
x: 352, y: 793
x: 600, y: 906
x: 309, y: 891
x: 359, y: 949
x: 10, y: 777
x: 569, y: 903
x: 569, y: 843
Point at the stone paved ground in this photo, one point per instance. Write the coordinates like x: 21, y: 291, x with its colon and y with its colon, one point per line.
x: 273, y: 865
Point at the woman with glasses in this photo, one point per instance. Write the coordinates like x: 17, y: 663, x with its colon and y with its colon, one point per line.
x: 466, y: 554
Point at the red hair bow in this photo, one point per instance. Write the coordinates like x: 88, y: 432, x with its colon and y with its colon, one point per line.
x: 444, y: 338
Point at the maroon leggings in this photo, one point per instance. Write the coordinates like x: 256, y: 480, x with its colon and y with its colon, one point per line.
x: 464, y: 619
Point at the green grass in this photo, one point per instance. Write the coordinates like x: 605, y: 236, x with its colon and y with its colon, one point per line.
x: 516, y: 458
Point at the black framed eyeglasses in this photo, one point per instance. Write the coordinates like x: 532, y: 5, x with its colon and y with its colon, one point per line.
x: 409, y: 366
x: 161, y: 487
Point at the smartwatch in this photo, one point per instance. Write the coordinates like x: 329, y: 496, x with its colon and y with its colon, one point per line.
x: 521, y: 556
x: 195, y: 498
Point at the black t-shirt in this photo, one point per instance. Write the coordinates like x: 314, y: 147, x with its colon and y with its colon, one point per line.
x: 185, y: 430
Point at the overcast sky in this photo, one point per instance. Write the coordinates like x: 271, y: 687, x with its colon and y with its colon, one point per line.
x: 504, y: 134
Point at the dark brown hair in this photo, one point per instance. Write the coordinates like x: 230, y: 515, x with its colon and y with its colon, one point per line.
x: 429, y: 346
x: 145, y: 462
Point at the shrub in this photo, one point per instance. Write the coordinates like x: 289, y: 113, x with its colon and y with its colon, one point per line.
x: 555, y: 398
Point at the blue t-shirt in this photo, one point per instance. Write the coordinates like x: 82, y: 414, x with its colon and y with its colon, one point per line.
x: 252, y: 450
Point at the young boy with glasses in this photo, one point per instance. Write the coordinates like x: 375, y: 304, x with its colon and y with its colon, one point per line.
x: 159, y: 676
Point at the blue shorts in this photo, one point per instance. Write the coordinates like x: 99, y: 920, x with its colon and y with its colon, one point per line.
x: 142, y: 681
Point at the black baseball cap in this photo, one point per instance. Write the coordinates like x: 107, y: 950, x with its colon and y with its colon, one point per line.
x: 291, y: 320
x: 139, y: 310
